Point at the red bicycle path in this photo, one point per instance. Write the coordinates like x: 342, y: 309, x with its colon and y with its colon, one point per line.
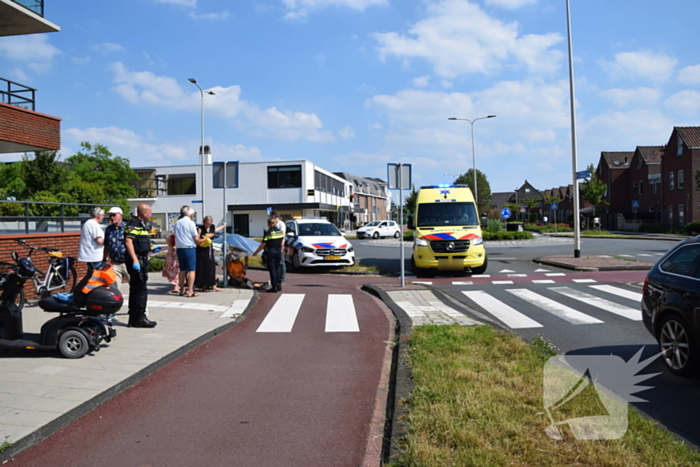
x: 244, y: 398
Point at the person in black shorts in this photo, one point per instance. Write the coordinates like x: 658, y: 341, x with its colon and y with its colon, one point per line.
x: 272, y: 242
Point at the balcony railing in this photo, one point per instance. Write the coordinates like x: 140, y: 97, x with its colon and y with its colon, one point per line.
x: 37, y: 6
x: 16, y: 94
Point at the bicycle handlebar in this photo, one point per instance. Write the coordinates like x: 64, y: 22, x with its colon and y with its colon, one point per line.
x: 44, y: 249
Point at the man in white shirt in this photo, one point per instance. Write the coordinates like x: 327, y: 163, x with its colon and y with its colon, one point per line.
x: 186, y: 241
x: 92, y: 239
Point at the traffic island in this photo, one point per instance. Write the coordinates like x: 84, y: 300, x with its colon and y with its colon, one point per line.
x: 594, y: 263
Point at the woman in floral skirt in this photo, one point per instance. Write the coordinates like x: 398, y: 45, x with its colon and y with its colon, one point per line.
x: 171, y: 269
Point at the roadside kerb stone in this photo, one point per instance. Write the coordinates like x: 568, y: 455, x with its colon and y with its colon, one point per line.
x: 593, y: 263
x: 41, y: 391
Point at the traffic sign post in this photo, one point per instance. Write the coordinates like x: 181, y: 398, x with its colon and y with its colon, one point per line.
x: 399, y: 178
x: 635, y: 206
x: 583, y: 174
x: 505, y: 213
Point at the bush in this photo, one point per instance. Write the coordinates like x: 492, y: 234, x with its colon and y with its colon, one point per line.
x: 507, y: 235
x: 653, y: 228
x: 545, y: 228
x: 408, y: 236
x: 693, y: 228
x: 495, y: 225
x: 156, y: 265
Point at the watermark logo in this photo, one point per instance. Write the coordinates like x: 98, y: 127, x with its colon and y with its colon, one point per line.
x: 590, y: 393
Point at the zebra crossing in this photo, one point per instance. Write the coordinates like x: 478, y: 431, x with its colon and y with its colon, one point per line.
x: 341, y: 315
x: 580, y: 304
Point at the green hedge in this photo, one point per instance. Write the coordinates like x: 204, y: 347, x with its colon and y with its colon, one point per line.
x: 693, y: 228
x: 547, y: 228
x: 507, y: 235
x: 156, y: 265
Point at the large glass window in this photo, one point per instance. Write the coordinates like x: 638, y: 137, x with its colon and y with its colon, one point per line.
x: 287, y: 176
x: 182, y: 184
x: 681, y: 179
x: 681, y: 215
x: 227, y: 169
x: 671, y: 181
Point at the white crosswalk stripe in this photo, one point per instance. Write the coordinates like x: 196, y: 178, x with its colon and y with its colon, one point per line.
x: 283, y: 314
x: 557, y: 309
x: 636, y: 296
x: 509, y: 316
x: 607, y: 305
x: 340, y: 314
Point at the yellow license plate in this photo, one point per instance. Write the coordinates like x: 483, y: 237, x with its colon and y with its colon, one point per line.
x: 332, y: 258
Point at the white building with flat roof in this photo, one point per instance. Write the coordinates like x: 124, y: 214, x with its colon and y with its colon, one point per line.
x: 297, y: 188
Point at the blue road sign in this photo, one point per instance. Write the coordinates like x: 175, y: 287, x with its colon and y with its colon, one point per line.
x: 554, y: 206
x: 195, y: 201
x: 505, y: 213
x: 635, y: 204
x: 269, y: 211
x: 583, y: 174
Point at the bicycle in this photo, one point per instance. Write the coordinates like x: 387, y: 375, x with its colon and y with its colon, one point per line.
x: 6, y: 269
x: 60, y: 276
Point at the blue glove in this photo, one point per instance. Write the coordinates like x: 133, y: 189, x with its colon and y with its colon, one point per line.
x: 137, y: 267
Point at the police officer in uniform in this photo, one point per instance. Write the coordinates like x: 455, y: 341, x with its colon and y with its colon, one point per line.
x: 138, y: 244
x: 272, y: 242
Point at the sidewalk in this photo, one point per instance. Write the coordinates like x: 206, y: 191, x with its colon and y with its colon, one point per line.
x: 41, y: 392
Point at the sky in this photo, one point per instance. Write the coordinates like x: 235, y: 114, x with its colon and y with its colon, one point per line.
x: 353, y: 85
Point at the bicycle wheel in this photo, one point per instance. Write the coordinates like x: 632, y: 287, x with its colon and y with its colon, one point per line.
x: 60, y: 285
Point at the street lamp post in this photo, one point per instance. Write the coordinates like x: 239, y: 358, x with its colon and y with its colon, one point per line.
x: 476, y: 200
x: 201, y: 147
x: 456, y: 176
x: 574, y: 162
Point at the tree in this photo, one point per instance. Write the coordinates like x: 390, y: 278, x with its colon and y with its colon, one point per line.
x: 95, y: 164
x: 482, y: 185
x: 410, y: 201
x: 530, y: 204
x: 39, y: 172
x: 697, y: 180
x: 593, y: 189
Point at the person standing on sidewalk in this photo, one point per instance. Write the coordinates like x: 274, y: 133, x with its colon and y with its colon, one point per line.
x: 138, y: 245
x: 282, y: 228
x: 92, y: 240
x: 186, y: 240
x: 273, y: 242
x: 114, y: 247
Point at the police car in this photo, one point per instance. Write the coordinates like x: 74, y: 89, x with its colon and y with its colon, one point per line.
x: 316, y: 242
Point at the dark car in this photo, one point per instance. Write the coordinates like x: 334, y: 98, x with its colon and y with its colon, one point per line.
x: 671, y: 306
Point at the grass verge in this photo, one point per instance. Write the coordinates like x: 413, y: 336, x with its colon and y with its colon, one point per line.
x: 477, y: 401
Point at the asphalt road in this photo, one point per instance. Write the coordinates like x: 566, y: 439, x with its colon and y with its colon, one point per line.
x: 291, y: 385
x: 518, y: 257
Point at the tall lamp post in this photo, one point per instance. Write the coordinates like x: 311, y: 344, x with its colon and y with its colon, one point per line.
x: 574, y: 161
x: 455, y: 176
x: 201, y: 147
x: 476, y: 200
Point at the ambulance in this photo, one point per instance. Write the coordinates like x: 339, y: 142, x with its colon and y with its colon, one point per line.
x: 447, y: 236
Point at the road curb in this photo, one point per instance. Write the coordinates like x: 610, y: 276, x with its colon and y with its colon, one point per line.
x: 400, y: 381
x: 69, y: 417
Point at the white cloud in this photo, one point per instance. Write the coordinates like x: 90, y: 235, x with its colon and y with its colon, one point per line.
x: 80, y: 60
x: 212, y: 16
x: 35, y: 50
x: 147, y: 88
x: 375, y: 126
x: 347, y: 132
x: 107, y: 47
x: 185, y: 3
x: 421, y: 81
x: 18, y: 75
x: 645, y: 64
x: 690, y: 75
x: 299, y: 9
x: 685, y: 102
x: 458, y: 37
x: 510, y: 4
x: 624, y: 131
x: 639, y: 97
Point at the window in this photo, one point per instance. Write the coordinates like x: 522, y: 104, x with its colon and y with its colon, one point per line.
x: 670, y: 216
x: 654, y: 188
x: 651, y: 209
x: 671, y: 183
x: 681, y: 179
x: 182, y: 184
x: 639, y: 164
x: 681, y: 215
x: 634, y: 188
x: 679, y: 145
x: 641, y: 187
x: 227, y: 169
x: 292, y: 227
x: 287, y: 176
x: 682, y: 261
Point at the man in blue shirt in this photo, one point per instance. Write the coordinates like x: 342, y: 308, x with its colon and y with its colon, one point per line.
x: 114, y: 248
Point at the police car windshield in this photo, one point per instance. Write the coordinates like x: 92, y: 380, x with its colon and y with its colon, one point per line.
x: 318, y: 230
x: 437, y: 214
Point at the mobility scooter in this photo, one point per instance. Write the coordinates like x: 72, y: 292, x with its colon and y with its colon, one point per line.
x: 83, y: 321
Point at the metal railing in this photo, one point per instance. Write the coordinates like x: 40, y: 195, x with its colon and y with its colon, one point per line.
x: 16, y: 94
x: 25, y: 217
x: 37, y: 6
